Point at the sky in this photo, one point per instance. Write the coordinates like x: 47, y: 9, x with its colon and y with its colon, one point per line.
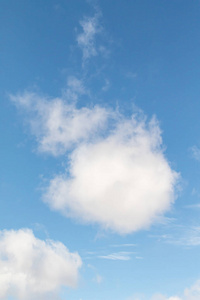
x: 100, y: 150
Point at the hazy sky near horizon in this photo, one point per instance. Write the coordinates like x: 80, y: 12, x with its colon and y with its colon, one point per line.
x: 100, y: 150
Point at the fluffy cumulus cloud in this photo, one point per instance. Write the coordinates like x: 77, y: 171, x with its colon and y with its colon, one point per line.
x: 34, y: 269
x: 118, y: 175
x: 122, y: 182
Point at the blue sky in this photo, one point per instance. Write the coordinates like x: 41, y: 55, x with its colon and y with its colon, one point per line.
x: 100, y: 152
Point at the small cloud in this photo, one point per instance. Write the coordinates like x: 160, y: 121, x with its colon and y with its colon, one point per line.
x: 117, y: 256
x: 86, y: 39
x: 41, y: 228
x: 195, y: 151
x: 91, y: 253
x: 106, y: 85
x: 75, y: 89
x: 58, y: 8
x: 191, y: 293
x: 104, y: 51
x: 123, y: 245
x: 98, y: 279
x: 131, y: 75
x: 197, y: 205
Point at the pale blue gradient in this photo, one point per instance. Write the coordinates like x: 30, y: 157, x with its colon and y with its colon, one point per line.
x: 150, y: 60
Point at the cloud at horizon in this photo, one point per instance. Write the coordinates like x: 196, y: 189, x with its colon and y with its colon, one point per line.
x: 191, y: 293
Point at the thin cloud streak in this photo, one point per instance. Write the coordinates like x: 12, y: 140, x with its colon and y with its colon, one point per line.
x: 123, y: 245
x: 181, y: 235
x: 117, y: 256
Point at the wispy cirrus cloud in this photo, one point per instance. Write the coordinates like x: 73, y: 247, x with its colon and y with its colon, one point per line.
x: 195, y: 151
x: 31, y: 268
x: 106, y: 85
x: 123, y: 245
x: 86, y: 39
x: 58, y: 124
x: 122, y: 255
x: 119, y: 255
x: 187, y: 236
x: 97, y: 278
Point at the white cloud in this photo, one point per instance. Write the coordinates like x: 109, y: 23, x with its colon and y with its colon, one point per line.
x: 161, y: 297
x: 131, y: 75
x: 122, y: 181
x: 31, y: 268
x: 106, y: 85
x: 123, y: 255
x: 86, y: 39
x: 123, y: 245
x: 192, y: 293
x: 118, y: 175
x: 75, y: 88
x: 190, y: 237
x: 98, y: 279
x: 57, y: 124
x: 187, y: 236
